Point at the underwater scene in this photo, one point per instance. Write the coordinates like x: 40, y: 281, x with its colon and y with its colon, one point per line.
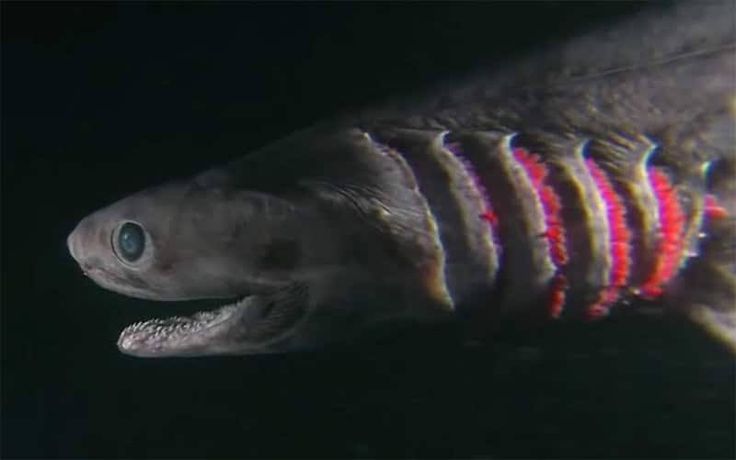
x: 365, y: 231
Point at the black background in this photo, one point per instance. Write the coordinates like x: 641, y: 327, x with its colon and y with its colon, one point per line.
x: 100, y: 100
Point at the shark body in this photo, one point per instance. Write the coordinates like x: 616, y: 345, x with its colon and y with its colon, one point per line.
x: 596, y: 173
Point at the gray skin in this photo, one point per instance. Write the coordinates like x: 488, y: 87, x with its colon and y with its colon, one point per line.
x: 325, y: 235
x: 312, y: 257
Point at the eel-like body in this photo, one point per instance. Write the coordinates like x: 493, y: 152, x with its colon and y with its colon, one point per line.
x: 595, y: 174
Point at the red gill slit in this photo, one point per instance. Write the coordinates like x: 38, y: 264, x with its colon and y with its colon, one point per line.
x: 554, y: 233
x: 671, y: 234
x: 619, y: 237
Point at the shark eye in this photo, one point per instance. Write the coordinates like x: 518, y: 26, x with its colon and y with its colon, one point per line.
x: 130, y: 242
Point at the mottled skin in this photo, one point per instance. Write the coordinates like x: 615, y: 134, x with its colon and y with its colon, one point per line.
x: 337, y: 227
x: 325, y: 234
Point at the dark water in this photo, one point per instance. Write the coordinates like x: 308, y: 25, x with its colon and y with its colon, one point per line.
x: 101, y: 100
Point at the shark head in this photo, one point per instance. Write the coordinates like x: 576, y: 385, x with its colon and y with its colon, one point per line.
x: 295, y: 256
x: 251, y: 252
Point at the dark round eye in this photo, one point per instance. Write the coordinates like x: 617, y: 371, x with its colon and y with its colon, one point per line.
x: 131, y: 241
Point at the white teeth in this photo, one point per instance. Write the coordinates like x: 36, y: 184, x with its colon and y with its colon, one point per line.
x: 175, y: 326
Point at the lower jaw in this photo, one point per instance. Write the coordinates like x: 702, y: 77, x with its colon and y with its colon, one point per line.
x: 175, y: 334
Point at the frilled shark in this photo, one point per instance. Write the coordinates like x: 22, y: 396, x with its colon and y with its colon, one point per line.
x: 589, y: 178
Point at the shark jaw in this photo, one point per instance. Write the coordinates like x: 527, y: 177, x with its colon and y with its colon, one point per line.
x: 251, y: 324
x: 180, y: 335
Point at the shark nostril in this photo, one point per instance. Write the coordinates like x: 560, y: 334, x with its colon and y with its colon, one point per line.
x: 89, y: 270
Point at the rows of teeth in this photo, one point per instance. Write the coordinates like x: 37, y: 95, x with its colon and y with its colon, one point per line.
x: 158, y: 327
x: 168, y: 325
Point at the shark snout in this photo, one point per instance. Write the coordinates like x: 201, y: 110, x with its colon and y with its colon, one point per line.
x: 72, y: 244
x: 75, y: 245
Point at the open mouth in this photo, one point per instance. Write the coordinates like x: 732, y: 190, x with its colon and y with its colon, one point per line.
x: 180, y: 333
x: 247, y: 324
